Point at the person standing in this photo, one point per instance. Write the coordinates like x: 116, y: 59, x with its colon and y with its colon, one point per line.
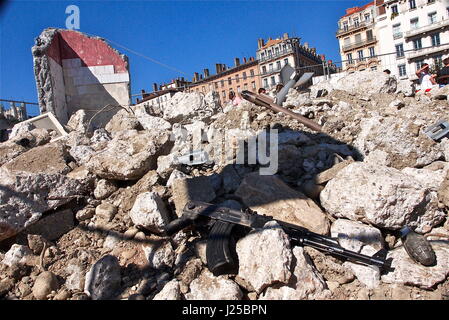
x: 426, y: 80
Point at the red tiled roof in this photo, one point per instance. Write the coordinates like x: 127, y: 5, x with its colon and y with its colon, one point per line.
x: 351, y: 11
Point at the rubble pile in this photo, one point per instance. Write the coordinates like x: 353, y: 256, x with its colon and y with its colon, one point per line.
x: 82, y: 217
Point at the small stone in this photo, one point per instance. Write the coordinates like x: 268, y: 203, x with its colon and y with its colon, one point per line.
x: 104, y: 189
x: 84, y: 214
x: 62, y: 295
x: 16, y: 255
x: 149, y: 211
x: 106, y: 211
x: 103, y: 279
x: 45, y: 283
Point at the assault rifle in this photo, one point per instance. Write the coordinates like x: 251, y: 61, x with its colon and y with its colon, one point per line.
x: 219, y: 254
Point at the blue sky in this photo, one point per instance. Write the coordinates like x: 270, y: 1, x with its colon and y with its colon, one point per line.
x: 187, y: 35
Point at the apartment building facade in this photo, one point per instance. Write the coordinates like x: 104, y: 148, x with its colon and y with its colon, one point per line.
x: 242, y: 76
x: 276, y: 53
x: 357, y: 39
x: 416, y: 31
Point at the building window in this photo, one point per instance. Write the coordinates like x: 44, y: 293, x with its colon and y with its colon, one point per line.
x: 285, y: 61
x: 270, y: 67
x: 367, y: 17
x: 238, y: 89
x: 438, y: 61
x: 264, y: 69
x: 265, y: 83
x: 216, y: 85
x: 276, y: 51
x: 252, y: 72
x: 435, y: 39
x: 358, y: 38
x: 430, y: 1
x: 360, y: 54
x: 419, y: 64
x: 356, y: 22
x: 412, y: 4
x: 414, y: 23
x: 417, y: 44
x: 269, y: 54
x: 394, y: 9
x: 349, y: 56
x: 402, y: 70
x: 223, y: 93
x: 237, y: 78
x: 399, y: 50
x: 278, y: 65
x: 397, y: 31
x: 432, y: 17
x: 345, y: 26
x: 262, y: 56
x: 245, y: 86
x: 273, y: 81
x: 229, y: 81
x: 222, y: 83
x: 244, y: 75
x: 253, y: 84
x: 369, y: 35
x: 373, y: 68
x: 371, y: 52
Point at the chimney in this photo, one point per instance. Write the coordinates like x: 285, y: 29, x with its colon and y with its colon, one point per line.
x: 201, y: 77
x: 195, y: 77
x: 260, y: 43
x: 155, y: 86
x: 206, y: 73
x: 244, y: 60
x: 306, y: 45
x: 285, y: 36
x: 313, y: 50
x: 236, y: 62
x: 323, y: 57
x: 218, y: 68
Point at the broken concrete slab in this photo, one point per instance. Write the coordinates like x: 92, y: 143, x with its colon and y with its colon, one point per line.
x: 129, y: 155
x: 49, y: 122
x: 269, y: 195
x: 74, y: 71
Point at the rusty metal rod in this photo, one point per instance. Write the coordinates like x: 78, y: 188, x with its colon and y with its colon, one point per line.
x: 265, y: 101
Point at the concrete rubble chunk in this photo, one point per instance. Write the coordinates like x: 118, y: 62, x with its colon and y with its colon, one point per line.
x: 145, y: 184
x: 192, y: 106
x: 104, y: 189
x: 367, y: 275
x: 381, y: 196
x: 408, y: 272
x: 259, y: 246
x: 149, y: 122
x: 103, y: 279
x: 188, y: 189
x: 402, y: 141
x: 171, y: 291
x: 24, y: 197
x: 78, y: 121
x: 123, y: 120
x: 209, y: 287
x: 105, y: 211
x: 16, y: 255
x: 149, y: 211
x: 306, y: 283
x: 354, y: 235
x: 50, y: 158
x: 129, y: 155
x: 268, y: 195
x: 159, y: 253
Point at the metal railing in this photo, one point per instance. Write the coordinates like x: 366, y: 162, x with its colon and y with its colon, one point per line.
x: 358, y: 44
x: 354, y: 27
x: 276, y: 55
x: 427, y: 28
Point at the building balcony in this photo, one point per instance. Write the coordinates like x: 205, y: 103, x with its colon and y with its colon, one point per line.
x: 430, y: 27
x: 427, y: 51
x: 276, y: 55
x: 270, y: 71
x: 355, y: 45
x: 354, y: 28
x: 360, y: 61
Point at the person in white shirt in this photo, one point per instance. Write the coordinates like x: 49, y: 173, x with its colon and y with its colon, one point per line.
x: 426, y: 80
